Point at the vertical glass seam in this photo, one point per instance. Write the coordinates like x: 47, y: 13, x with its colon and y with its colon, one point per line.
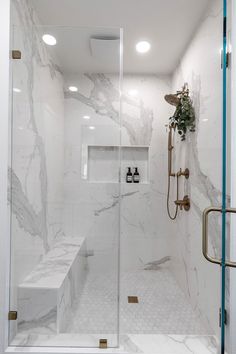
x: 120, y: 190
x: 224, y: 175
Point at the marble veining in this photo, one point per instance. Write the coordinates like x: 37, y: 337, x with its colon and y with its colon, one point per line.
x: 55, y: 265
x: 21, y: 207
x: 104, y: 98
x: 155, y: 265
x: 34, y: 176
x: 116, y: 200
x: 129, y: 344
x: 29, y: 176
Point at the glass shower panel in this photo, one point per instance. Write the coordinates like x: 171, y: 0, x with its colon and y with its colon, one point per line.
x: 162, y: 265
x: 64, y: 185
x: 201, y: 153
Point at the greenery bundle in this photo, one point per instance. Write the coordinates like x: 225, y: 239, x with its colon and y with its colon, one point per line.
x: 184, y: 116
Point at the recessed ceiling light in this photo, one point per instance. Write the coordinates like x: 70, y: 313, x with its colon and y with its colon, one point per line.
x: 133, y: 92
x: 86, y: 117
x: 143, y: 47
x: 205, y: 120
x: 17, y: 90
x: 91, y: 127
x: 49, y: 39
x: 73, y: 88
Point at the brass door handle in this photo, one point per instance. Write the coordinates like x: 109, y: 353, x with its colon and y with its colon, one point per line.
x: 211, y: 259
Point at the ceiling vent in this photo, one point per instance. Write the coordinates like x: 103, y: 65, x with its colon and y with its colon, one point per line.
x: 105, y: 48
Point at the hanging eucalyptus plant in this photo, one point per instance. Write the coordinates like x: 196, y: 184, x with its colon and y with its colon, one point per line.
x: 184, y: 117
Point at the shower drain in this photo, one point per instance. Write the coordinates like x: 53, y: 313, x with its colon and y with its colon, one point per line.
x: 133, y: 299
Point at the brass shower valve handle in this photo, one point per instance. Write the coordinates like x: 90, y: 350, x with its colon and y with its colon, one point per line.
x: 185, y: 203
x: 184, y: 173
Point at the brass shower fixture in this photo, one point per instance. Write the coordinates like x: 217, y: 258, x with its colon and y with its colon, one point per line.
x: 173, y: 99
x: 185, y: 203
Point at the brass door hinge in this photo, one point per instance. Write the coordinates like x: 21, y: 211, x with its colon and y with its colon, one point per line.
x: 12, y: 315
x: 16, y: 54
x: 228, y: 59
x: 225, y: 319
x: 103, y: 343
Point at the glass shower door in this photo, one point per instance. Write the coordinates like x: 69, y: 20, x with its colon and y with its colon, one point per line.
x: 225, y: 212
x: 64, y: 184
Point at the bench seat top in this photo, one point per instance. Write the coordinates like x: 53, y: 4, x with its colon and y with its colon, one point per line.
x: 55, y: 265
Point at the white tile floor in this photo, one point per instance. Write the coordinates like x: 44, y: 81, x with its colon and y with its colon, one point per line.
x: 162, y: 308
x: 163, y: 321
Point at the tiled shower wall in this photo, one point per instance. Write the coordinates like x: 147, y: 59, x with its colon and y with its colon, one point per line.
x: 37, y: 165
x: 91, y: 207
x: 200, y: 67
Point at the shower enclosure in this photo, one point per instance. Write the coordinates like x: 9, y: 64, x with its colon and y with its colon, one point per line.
x: 96, y: 262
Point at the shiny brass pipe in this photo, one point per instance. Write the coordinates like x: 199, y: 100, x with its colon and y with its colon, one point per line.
x: 170, y: 148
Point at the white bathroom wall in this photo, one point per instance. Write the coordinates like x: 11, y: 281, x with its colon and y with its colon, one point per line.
x: 37, y: 163
x: 91, y: 206
x: 143, y: 212
x: 201, y: 153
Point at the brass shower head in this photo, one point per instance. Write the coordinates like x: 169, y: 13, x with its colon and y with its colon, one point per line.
x: 172, y: 99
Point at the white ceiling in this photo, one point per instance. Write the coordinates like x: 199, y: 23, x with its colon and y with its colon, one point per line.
x: 167, y: 24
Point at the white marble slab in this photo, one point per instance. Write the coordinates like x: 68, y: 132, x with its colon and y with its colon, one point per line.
x: 55, y: 265
x: 46, y: 296
x: 174, y: 344
x: 130, y: 343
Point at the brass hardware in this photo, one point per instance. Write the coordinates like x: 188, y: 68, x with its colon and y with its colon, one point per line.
x: 103, y: 343
x: 185, y: 173
x: 173, y: 99
x: 16, y: 54
x: 12, y: 315
x: 206, y: 212
x: 170, y: 148
x: 225, y: 317
x: 133, y: 299
x: 185, y: 203
x: 228, y: 59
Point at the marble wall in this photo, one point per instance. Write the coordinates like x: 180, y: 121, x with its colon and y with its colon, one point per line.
x: 201, y: 153
x: 92, y: 206
x: 37, y: 151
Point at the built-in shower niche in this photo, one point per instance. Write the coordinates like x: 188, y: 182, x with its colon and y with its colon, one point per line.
x: 101, y: 163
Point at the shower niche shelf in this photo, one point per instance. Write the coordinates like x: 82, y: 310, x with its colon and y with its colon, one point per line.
x: 100, y: 163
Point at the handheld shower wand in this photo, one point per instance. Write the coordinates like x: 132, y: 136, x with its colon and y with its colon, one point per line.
x: 171, y: 174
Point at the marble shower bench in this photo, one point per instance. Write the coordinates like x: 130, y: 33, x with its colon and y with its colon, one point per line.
x: 46, y: 295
